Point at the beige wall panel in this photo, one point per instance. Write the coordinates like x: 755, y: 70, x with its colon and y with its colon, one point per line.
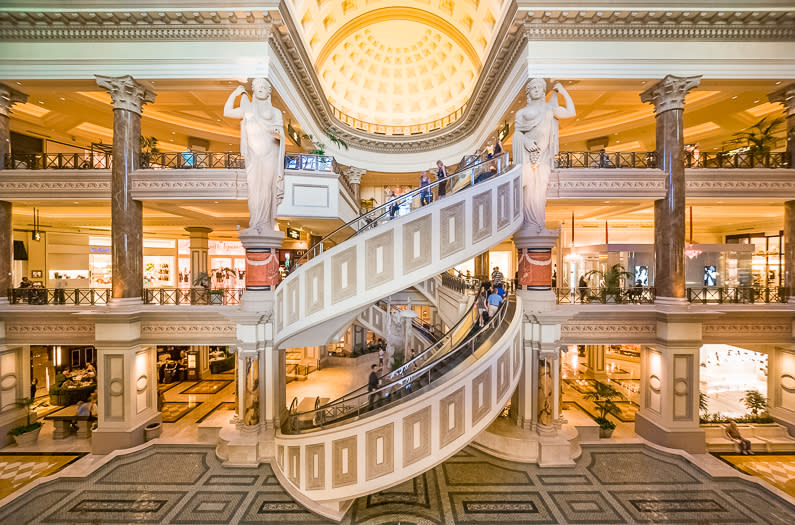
x: 416, y: 436
x: 343, y: 275
x: 481, y: 395
x: 417, y: 239
x: 481, y: 216
x: 517, y: 197
x: 683, y: 387
x: 451, y: 229
x: 294, y: 465
x: 379, y: 259
x: 379, y: 454
x: 343, y: 462
x: 293, y: 301
x: 315, y: 466
x: 314, y: 289
x: 451, y: 417
x: 503, y: 205
x: 503, y: 373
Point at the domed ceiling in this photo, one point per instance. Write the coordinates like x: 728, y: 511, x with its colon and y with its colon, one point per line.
x: 397, y: 63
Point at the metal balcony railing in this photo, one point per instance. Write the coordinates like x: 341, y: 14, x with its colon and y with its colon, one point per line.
x: 632, y: 295
x: 61, y: 296
x: 737, y: 295
x: 57, y: 161
x: 779, y: 159
x: 193, y: 160
x: 587, y: 159
x: 193, y: 296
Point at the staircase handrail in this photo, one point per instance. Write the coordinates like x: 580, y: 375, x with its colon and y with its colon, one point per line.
x: 371, y: 218
x: 335, y: 412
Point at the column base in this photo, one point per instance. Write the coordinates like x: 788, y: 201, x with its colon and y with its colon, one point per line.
x: 106, y: 441
x: 690, y: 440
x: 537, y: 300
x: 238, y: 447
x: 121, y: 302
x: 257, y: 301
x: 559, y: 450
x: 671, y: 301
x: 504, y: 440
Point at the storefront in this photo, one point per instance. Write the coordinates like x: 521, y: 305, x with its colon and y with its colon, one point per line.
x: 66, y: 373
x: 727, y: 374
x: 767, y: 263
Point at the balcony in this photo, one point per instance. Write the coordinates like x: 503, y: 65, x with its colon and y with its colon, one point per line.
x: 737, y: 295
x: 631, y: 295
x: 101, y: 296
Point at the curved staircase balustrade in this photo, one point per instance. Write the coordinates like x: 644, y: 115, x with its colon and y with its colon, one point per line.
x: 325, y: 294
x: 325, y: 468
x: 411, y: 374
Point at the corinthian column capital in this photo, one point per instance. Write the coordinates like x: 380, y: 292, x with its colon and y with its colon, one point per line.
x: 126, y: 92
x: 8, y: 97
x: 786, y: 96
x: 355, y: 174
x: 669, y: 93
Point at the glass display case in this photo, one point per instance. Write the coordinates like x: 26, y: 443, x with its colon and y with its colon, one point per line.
x: 718, y: 265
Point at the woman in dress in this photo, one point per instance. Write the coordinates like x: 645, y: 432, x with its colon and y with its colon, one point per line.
x: 535, y: 144
x: 440, y: 176
x: 262, y: 145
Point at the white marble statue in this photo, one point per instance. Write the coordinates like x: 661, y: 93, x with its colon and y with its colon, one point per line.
x: 262, y: 145
x: 395, y: 336
x: 535, y: 144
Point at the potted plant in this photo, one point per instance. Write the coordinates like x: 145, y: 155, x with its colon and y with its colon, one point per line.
x: 610, y: 282
x: 603, y: 396
x: 758, y: 139
x: 27, y: 434
x: 755, y: 402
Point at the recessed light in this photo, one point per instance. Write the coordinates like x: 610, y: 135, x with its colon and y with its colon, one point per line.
x: 171, y: 140
x: 618, y: 142
x: 61, y: 98
x: 777, y: 83
x: 41, y: 102
x: 215, y: 202
x: 734, y: 97
x: 643, y: 82
x: 173, y: 132
x: 218, y: 120
x: 756, y: 101
x: 19, y: 83
x: 76, y: 202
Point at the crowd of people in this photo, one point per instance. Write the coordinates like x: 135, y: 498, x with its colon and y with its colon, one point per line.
x: 490, y: 296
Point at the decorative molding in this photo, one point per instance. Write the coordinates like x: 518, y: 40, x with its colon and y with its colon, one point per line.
x: 669, y: 93
x: 54, y: 184
x: 596, y: 183
x: 126, y: 92
x: 355, y: 174
x: 623, y: 331
x: 191, y: 329
x: 748, y: 330
x: 30, y: 331
x: 759, y: 182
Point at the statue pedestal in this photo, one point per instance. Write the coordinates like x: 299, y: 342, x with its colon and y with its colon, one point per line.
x: 262, y: 268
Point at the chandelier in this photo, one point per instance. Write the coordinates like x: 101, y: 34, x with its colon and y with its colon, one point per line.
x: 691, y: 252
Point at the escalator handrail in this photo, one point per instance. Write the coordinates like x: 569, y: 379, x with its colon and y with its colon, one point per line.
x: 319, y: 420
x: 501, y: 161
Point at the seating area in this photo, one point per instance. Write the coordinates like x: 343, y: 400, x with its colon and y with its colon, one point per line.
x: 770, y: 437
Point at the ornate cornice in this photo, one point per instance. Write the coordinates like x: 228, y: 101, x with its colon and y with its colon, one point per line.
x: 572, y: 183
x: 717, y: 183
x: 28, y: 331
x: 669, y: 93
x: 126, y: 92
x: 574, y: 331
x: 211, y: 330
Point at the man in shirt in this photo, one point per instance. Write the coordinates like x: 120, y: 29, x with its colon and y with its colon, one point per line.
x: 372, y: 384
x: 494, y: 300
x: 497, y: 277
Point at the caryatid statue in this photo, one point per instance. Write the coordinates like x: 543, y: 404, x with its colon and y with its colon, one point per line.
x: 262, y: 145
x: 535, y: 144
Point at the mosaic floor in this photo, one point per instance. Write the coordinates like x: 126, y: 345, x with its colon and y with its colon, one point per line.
x: 17, y: 470
x: 616, y: 484
x: 776, y: 469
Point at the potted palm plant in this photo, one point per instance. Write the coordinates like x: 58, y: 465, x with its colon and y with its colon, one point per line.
x: 603, y: 396
x: 27, y: 434
x: 610, y: 282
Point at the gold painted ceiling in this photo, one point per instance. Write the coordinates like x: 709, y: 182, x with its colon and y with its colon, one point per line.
x: 397, y: 63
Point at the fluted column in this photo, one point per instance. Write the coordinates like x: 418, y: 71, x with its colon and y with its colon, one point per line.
x: 8, y: 97
x: 199, y: 249
x: 128, y: 97
x: 786, y: 96
x: 668, y: 97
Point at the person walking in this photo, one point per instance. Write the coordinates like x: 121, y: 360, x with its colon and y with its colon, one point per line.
x: 497, y: 277
x: 34, y: 385
x: 494, y: 301
x: 381, y: 358
x: 60, y: 285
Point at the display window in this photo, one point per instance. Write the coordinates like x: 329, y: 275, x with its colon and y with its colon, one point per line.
x: 159, y: 271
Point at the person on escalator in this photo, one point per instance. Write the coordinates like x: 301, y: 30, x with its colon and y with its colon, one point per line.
x: 483, y: 307
x: 372, y: 385
x: 494, y: 301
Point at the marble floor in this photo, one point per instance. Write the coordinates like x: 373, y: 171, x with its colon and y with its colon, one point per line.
x: 776, y: 469
x: 615, y: 484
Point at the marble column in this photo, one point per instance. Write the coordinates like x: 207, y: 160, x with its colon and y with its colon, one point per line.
x: 199, y: 249
x: 595, y: 366
x: 8, y: 97
x: 786, y: 96
x: 354, y: 176
x: 668, y: 97
x: 482, y: 270
x: 789, y: 248
x: 128, y: 97
x: 6, y: 250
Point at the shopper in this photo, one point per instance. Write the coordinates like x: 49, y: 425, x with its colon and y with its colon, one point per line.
x: 441, y: 175
x: 34, y: 385
x: 497, y: 277
x: 494, y: 301
x: 60, y: 284
x: 426, y: 197
x: 372, y: 385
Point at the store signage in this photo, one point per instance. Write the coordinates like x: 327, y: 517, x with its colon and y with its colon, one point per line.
x: 99, y: 249
x: 293, y: 234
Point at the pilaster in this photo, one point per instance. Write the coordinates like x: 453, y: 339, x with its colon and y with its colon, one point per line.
x: 14, y: 385
x: 128, y: 97
x: 668, y: 97
x: 789, y: 249
x: 786, y: 96
x: 199, y: 250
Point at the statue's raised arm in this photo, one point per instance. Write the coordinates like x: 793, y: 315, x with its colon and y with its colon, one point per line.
x: 262, y: 145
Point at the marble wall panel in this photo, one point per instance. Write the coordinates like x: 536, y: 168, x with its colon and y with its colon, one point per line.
x: 517, y: 197
x: 10, y: 378
x: 293, y: 299
x: 481, y: 395
x: 503, y: 205
x: 315, y: 466
x: 654, y: 375
x: 451, y: 417
x: 279, y: 310
x: 517, y: 351
x: 314, y: 289
x: 416, y: 436
x: 280, y: 456
x: 683, y: 387
x: 343, y: 275
x: 343, y: 462
x: 379, y: 446
x: 379, y: 259
x: 451, y: 229
x: 481, y: 216
x: 294, y: 465
x: 503, y: 373
x: 417, y: 241
x: 113, y: 377
x: 786, y: 381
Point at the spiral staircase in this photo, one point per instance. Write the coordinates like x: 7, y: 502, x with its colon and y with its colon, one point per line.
x: 437, y: 403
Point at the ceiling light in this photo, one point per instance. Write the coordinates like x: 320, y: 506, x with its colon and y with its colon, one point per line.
x: 173, y: 132
x: 756, y: 101
x: 61, y: 98
x: 777, y: 83
x: 19, y: 83
x: 41, y: 102
x: 76, y: 202
x: 643, y: 82
x: 734, y: 97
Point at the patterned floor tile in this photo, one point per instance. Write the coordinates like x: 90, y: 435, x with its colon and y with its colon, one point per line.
x: 482, y: 473
x: 210, y: 507
x: 585, y: 507
x: 276, y: 508
x: 491, y: 507
x: 212, y: 386
x: 677, y: 506
x: 159, y: 467
x: 173, y: 411
x: 99, y: 506
x: 636, y: 468
x: 17, y: 469
x: 776, y: 469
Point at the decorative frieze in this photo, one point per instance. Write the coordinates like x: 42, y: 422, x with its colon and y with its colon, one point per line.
x: 172, y: 330
x: 29, y: 331
x: 623, y: 331
x: 756, y: 330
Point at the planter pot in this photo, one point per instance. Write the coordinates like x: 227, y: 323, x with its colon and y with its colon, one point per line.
x: 605, y: 432
x: 152, y: 431
x: 28, y: 438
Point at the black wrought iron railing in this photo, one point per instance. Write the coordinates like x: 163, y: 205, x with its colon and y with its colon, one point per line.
x: 587, y: 159
x: 193, y: 296
x: 778, y: 159
x: 193, y: 160
x: 737, y: 294
x: 418, y: 374
x: 632, y: 295
x: 459, y: 282
x: 413, y: 200
x: 57, y: 161
x: 59, y: 296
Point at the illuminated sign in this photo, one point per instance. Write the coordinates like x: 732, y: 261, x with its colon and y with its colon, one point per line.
x: 293, y: 234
